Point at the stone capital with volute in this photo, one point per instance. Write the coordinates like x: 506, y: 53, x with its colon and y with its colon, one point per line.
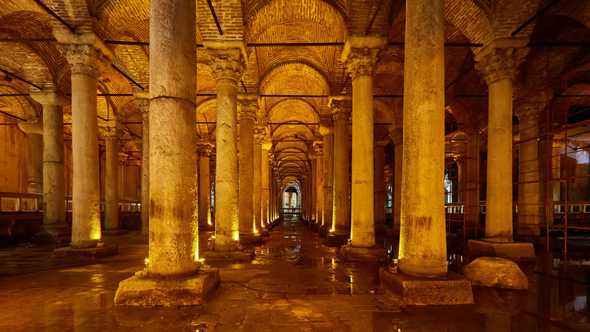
x: 500, y: 59
x: 227, y: 60
x: 360, y: 54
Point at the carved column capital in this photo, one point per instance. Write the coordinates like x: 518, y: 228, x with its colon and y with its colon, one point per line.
x: 360, y: 55
x: 248, y: 106
x: 340, y: 107
x: 85, y: 59
x: 500, y: 59
x: 48, y: 97
x: 227, y: 63
x: 142, y: 100
x: 204, y: 148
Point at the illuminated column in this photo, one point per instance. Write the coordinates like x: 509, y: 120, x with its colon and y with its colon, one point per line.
x: 319, y: 185
x: 54, y: 209
x: 257, y: 177
x: 422, y: 249
x: 111, y: 179
x: 341, y: 204
x: 497, y: 64
x: 205, y: 183
x: 227, y: 64
x: 143, y: 103
x: 265, y: 181
x: 360, y: 55
x: 529, y: 189
x: 398, y: 140
x: 34, y: 131
x: 84, y: 62
x: 379, y: 180
x: 327, y: 132
x: 248, y: 106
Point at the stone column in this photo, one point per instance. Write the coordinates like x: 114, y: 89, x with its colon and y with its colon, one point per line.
x: 319, y: 185
x: 54, y: 209
x: 529, y: 189
x: 497, y: 64
x: 327, y: 131
x: 471, y: 192
x: 170, y: 277
x: 398, y: 140
x: 257, y: 178
x: 34, y: 131
x: 143, y: 103
x: 84, y: 62
x: 248, y: 106
x: 227, y: 64
x: 379, y: 187
x: 340, y: 211
x: 111, y: 176
x: 265, y: 182
x: 360, y: 55
x: 422, y: 249
x: 205, y: 184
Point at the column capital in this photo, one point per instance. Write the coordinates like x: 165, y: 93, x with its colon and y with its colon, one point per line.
x: 530, y: 108
x: 248, y: 106
x: 340, y: 106
x: 142, y: 100
x: 382, y: 142
x: 48, y: 97
x: 326, y: 125
x: 86, y: 59
x: 34, y: 127
x: 204, y: 148
x: 500, y: 59
x: 360, y: 54
x: 227, y: 59
x: 110, y: 132
x: 318, y: 149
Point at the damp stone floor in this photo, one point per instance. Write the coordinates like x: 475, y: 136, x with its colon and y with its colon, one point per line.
x: 294, y: 284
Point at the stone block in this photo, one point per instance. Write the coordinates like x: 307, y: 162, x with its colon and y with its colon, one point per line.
x: 244, y: 255
x: 101, y: 250
x: 518, y: 251
x: 143, y: 290
x: 373, y: 254
x: 452, y: 289
x: 496, y: 272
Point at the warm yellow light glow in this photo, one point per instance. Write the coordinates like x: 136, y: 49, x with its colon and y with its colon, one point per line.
x: 146, y: 261
x: 235, y: 235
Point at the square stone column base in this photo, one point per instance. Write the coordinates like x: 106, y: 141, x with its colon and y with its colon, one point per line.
x: 336, y: 239
x: 416, y: 291
x: 372, y: 254
x: 244, y: 255
x: 141, y: 290
x: 251, y: 239
x: 324, y: 231
x: 101, y: 250
x: 516, y: 251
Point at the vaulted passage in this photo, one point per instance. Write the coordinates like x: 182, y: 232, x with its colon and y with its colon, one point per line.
x: 256, y: 165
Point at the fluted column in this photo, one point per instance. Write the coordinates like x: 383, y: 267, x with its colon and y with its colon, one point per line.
x: 54, y: 213
x: 227, y: 64
x: 529, y: 190
x: 143, y: 103
x: 379, y: 188
x: 422, y: 249
x: 497, y: 63
x: 398, y: 140
x: 84, y: 62
x: 265, y: 181
x: 327, y: 132
x: 257, y: 177
x: 341, y: 187
x: 248, y: 107
x: 111, y: 177
x: 360, y: 55
x: 205, y: 183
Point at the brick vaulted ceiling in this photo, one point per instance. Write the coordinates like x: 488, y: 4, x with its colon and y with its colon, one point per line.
x: 29, y: 52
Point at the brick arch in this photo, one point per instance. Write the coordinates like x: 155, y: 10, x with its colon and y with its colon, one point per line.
x: 206, y: 112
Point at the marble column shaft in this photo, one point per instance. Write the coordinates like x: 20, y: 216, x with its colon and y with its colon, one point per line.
x: 423, y: 250
x: 227, y: 65
x: 529, y: 191
x: 34, y: 130
x: 143, y: 104
x: 379, y: 180
x: 111, y: 176
x: 398, y: 145
x: 205, y: 184
x: 341, y: 185
x: 319, y: 188
x: 246, y: 167
x: 257, y: 178
x: 173, y: 239
x: 265, y: 182
x: 472, y: 186
x: 328, y: 168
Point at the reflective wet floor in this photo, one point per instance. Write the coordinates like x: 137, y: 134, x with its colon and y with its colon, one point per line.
x: 294, y: 284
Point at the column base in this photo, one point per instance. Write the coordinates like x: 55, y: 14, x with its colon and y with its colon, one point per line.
x: 336, y: 239
x: 100, y: 250
x: 117, y: 231
x: 251, y: 239
x: 243, y: 255
x: 518, y: 251
x: 372, y: 254
x: 53, y: 234
x: 496, y: 272
x: 142, y: 290
x: 452, y: 289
